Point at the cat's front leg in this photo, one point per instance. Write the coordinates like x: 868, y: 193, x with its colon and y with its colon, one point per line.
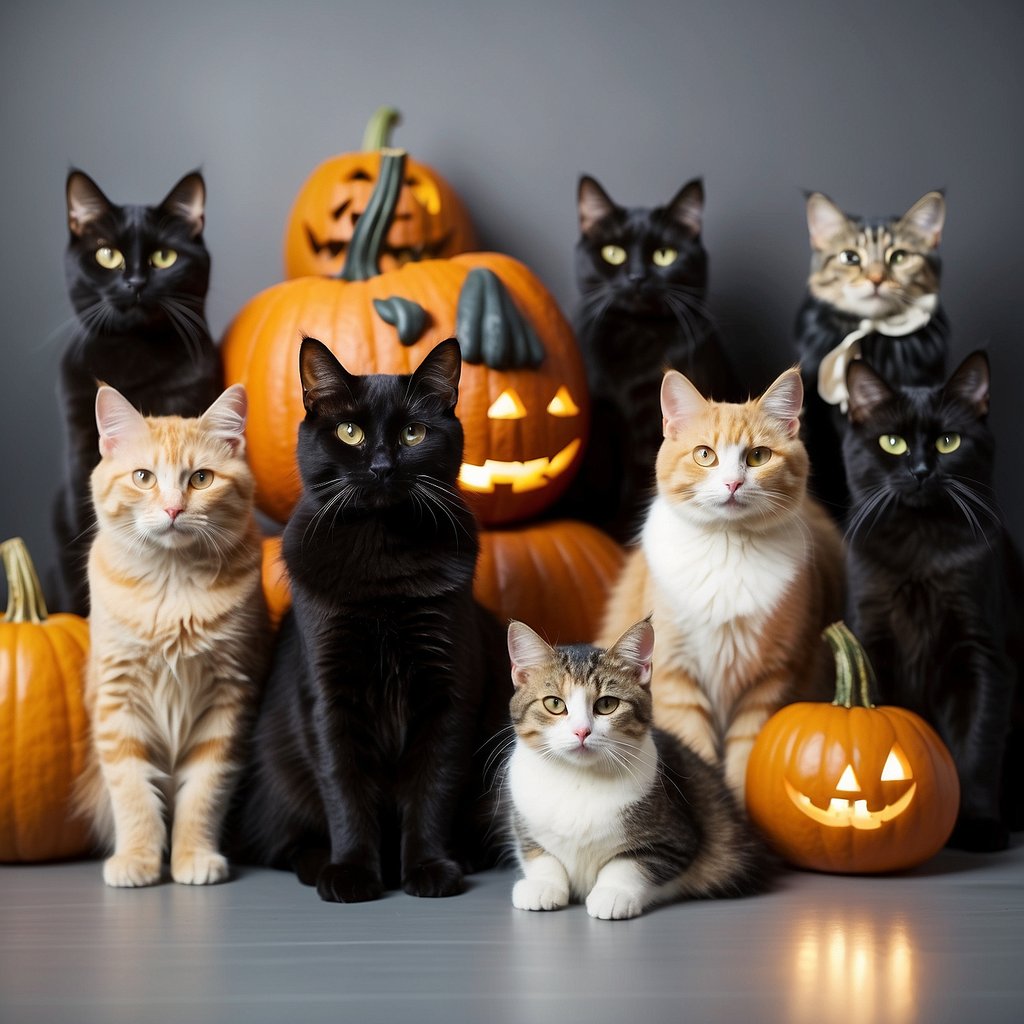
x: 620, y: 891
x: 544, y: 885
x: 203, y: 778
x: 682, y: 708
x: 754, y: 708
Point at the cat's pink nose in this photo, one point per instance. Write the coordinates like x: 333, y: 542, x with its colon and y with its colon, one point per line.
x: 733, y: 485
x: 173, y: 513
x: 582, y: 733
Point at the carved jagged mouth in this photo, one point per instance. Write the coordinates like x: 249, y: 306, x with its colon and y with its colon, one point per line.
x: 521, y: 476
x: 850, y: 813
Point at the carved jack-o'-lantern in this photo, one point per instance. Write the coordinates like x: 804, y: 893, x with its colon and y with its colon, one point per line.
x: 847, y: 786
x: 523, y: 398
x: 429, y: 221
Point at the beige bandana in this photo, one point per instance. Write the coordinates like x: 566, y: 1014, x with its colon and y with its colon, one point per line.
x: 832, y: 372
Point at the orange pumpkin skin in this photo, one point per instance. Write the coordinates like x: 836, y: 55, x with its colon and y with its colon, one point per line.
x: 44, y: 731
x: 276, y: 590
x: 261, y: 350
x: 801, y: 770
x: 553, y: 576
x: 430, y: 220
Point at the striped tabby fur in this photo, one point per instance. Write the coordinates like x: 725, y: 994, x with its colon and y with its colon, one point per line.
x: 605, y: 809
x: 178, y: 634
x: 738, y: 568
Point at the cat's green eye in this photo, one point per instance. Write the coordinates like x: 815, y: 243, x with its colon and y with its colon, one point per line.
x: 351, y: 433
x: 201, y: 479
x: 613, y: 254
x: 898, y: 255
x: 555, y: 705
x: 758, y: 456
x: 849, y: 258
x: 110, y: 258
x: 144, y: 479
x: 413, y: 434
x: 163, y: 258
x: 948, y: 443
x: 704, y: 456
x: 893, y: 444
x: 605, y: 705
x: 664, y: 257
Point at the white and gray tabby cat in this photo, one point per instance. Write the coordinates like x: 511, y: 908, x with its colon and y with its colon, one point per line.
x: 605, y: 808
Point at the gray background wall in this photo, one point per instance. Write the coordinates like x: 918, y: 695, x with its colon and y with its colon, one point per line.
x: 874, y: 103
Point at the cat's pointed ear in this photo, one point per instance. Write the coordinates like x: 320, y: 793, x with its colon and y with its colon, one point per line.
x: 527, y: 650
x: 824, y: 220
x: 85, y: 201
x: 970, y: 382
x: 680, y: 402
x: 225, y: 419
x: 866, y: 390
x: 687, y: 208
x: 784, y: 400
x: 636, y: 646
x: 187, y: 201
x: 319, y: 371
x: 593, y: 203
x: 440, y: 371
x: 117, y: 420
x: 926, y: 217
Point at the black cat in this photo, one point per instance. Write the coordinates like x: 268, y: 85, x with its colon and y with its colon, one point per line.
x: 137, y: 278
x: 876, y: 283
x: 642, y: 276
x: 388, y: 677
x: 936, y: 586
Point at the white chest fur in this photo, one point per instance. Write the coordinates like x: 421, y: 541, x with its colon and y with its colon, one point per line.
x: 719, y: 587
x: 576, y: 814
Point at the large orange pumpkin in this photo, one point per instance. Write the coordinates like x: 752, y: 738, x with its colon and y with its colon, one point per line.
x: 522, y: 399
x: 554, y: 576
x: 430, y: 221
x: 849, y: 787
x: 44, y: 727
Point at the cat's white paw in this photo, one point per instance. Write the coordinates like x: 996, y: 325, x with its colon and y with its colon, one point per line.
x: 610, y: 904
x: 530, y: 894
x: 131, y: 870
x: 199, y: 867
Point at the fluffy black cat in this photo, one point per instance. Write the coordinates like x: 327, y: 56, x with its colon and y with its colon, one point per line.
x: 936, y: 586
x: 137, y: 278
x: 872, y: 292
x: 642, y: 276
x: 388, y: 677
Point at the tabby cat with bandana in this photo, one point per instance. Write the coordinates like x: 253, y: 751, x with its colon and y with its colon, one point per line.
x: 872, y: 294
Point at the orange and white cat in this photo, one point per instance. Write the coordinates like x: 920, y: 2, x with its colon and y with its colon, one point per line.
x: 178, y: 635
x: 738, y: 567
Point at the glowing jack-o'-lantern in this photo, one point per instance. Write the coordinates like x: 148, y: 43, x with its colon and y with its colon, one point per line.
x: 523, y: 398
x: 429, y: 222
x: 847, y: 786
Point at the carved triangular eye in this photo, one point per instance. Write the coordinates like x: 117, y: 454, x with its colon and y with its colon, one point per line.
x: 507, y: 406
x: 848, y: 781
x: 896, y: 768
x: 562, y: 404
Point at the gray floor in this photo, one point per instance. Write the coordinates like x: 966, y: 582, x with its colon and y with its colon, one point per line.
x: 944, y: 943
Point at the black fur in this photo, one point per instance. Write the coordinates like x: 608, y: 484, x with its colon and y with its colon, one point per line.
x: 141, y: 329
x: 936, y: 587
x: 388, y: 678
x: 634, y: 321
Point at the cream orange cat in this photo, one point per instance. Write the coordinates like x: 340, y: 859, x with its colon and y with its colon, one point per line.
x: 739, y: 568
x: 178, y: 635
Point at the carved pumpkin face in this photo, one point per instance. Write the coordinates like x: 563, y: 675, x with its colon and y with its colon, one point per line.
x: 851, y: 787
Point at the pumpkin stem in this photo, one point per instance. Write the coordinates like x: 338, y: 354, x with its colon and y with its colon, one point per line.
x: 361, y: 263
x: 852, y: 666
x: 378, y: 128
x: 24, y: 594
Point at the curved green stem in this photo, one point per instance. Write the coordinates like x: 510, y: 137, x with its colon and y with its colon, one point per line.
x: 361, y: 263
x: 24, y: 594
x: 378, y: 128
x: 852, y: 666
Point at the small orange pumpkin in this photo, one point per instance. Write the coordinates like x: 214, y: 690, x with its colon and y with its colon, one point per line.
x: 44, y: 727
x: 849, y: 787
x: 430, y: 221
x: 523, y: 396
